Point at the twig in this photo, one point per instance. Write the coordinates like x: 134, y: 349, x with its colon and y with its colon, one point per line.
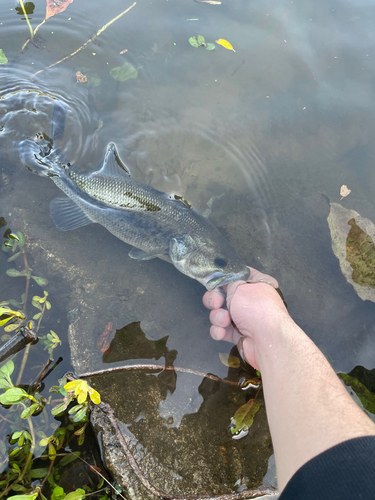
x: 157, y: 367
x: 23, y: 364
x: 34, y: 33
x: 162, y: 494
x: 86, y: 43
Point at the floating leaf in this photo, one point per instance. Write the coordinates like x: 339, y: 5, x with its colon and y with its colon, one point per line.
x: 366, y: 397
x: 201, y: 40
x: 243, y: 419
x: 229, y: 360
x: 225, y: 44
x: 210, y: 46
x: 55, y: 7
x: 3, y: 58
x: 344, y: 191
x: 125, y: 72
x: 353, y: 244
x: 29, y: 9
x: 40, y: 281
x: 193, y: 41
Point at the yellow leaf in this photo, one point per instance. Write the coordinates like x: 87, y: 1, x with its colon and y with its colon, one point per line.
x: 94, y: 395
x: 72, y: 386
x: 225, y: 44
x: 82, y: 397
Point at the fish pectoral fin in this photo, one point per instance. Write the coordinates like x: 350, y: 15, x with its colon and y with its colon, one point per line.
x: 112, y: 164
x: 136, y: 253
x: 67, y: 215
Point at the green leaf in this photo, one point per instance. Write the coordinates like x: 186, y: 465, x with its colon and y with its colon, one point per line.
x: 18, y: 487
x: 13, y: 396
x: 210, y: 46
x: 78, y: 494
x: 58, y: 493
x: 21, y: 238
x: 69, y: 458
x: 38, y: 473
x: 201, y: 40
x: 7, y: 369
x: 193, y: 41
x: 125, y: 72
x: 59, y: 408
x: 48, y: 305
x: 80, y: 415
x: 229, y: 360
x: 3, y: 58
x: 10, y: 328
x: 353, y: 244
x: 40, y: 281
x: 28, y: 496
x: 15, y: 303
x: 243, y: 419
x: 27, y: 412
x: 13, y: 273
x: 365, y: 396
x: 37, y: 316
x: 14, y: 257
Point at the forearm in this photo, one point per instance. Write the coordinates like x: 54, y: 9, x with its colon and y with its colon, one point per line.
x: 308, y: 408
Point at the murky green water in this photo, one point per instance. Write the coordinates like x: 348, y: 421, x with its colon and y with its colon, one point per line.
x: 261, y: 132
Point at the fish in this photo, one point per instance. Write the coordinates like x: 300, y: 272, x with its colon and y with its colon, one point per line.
x: 156, y: 224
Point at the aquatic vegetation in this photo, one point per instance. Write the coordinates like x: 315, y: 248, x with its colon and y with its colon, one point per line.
x: 3, y: 57
x: 243, y: 418
x: 353, y: 243
x: 199, y: 41
x: 28, y: 408
x: 124, y: 72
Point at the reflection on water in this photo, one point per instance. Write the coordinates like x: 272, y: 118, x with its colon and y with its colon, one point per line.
x: 254, y: 136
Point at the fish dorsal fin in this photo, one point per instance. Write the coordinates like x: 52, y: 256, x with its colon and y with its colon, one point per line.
x: 112, y: 165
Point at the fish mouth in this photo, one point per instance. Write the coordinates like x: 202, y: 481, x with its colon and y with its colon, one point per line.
x: 220, y: 279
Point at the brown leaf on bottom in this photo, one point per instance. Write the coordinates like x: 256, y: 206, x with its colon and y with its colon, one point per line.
x: 56, y: 6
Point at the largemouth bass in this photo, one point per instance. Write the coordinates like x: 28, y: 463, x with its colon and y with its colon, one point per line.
x: 154, y: 223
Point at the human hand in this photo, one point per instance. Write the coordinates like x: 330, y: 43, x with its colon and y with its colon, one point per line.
x: 251, y: 310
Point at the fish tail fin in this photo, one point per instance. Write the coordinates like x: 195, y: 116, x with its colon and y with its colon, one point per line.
x: 42, y: 158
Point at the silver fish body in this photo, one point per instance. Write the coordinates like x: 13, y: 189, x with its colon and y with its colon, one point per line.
x: 154, y: 223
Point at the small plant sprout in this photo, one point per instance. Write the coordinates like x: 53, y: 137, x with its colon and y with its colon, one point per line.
x: 199, y: 41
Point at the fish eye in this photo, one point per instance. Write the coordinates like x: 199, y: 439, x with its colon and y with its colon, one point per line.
x: 219, y: 261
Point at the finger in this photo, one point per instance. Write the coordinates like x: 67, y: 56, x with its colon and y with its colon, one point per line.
x: 220, y: 317
x: 228, y: 334
x: 213, y: 300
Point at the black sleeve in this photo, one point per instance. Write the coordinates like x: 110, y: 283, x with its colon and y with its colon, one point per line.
x: 344, y: 472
